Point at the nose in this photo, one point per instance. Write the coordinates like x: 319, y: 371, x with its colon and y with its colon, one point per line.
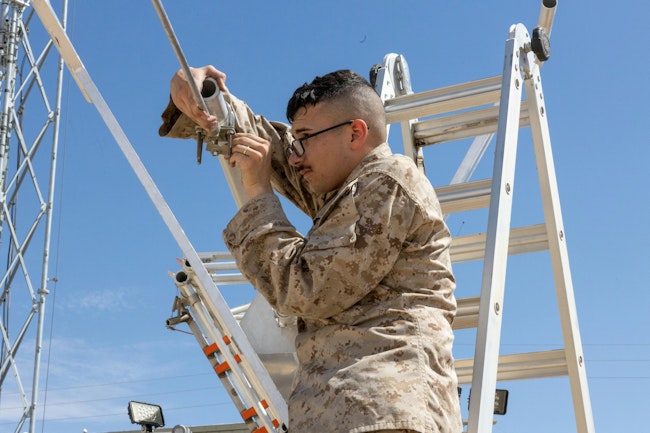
x: 295, y: 160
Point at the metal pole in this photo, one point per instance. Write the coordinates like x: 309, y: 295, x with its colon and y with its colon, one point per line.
x: 167, y: 26
x: 7, y: 103
x: 546, y: 15
x: 43, y: 291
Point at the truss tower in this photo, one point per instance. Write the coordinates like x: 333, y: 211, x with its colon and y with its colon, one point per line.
x: 30, y: 99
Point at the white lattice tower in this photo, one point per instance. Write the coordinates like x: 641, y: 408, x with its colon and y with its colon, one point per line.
x: 30, y: 100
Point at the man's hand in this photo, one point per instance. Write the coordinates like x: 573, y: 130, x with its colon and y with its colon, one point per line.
x: 253, y: 156
x: 184, y: 99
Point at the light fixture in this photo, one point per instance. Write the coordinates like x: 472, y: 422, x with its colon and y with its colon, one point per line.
x: 149, y: 416
x: 500, y: 401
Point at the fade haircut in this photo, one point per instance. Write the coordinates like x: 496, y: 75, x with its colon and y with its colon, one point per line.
x: 349, y: 90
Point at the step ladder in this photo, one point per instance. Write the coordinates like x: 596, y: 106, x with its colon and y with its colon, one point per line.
x: 480, y: 110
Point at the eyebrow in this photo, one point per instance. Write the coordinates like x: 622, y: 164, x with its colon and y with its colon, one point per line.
x: 299, y: 130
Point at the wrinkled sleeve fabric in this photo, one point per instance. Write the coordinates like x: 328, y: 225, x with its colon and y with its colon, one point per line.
x: 285, y: 179
x: 351, y: 248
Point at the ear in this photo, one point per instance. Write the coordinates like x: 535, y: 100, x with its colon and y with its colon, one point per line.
x: 359, y: 133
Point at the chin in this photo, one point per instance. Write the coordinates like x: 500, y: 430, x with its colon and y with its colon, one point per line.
x: 317, y: 191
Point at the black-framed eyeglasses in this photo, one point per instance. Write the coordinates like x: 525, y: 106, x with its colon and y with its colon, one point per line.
x: 297, y: 146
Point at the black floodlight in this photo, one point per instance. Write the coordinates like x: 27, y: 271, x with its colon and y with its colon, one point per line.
x: 500, y: 401
x: 149, y: 416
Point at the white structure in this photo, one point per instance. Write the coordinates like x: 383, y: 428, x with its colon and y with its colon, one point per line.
x: 31, y: 76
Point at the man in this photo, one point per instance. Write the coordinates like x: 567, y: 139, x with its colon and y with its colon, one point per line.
x: 371, y: 283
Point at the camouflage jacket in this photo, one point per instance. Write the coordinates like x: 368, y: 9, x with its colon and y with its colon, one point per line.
x: 371, y: 284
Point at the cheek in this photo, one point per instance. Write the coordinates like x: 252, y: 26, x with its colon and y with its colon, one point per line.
x: 335, y: 176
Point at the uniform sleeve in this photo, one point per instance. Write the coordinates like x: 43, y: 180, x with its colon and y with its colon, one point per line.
x: 285, y: 179
x: 351, y: 248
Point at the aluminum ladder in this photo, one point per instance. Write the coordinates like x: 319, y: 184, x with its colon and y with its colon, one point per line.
x: 481, y: 109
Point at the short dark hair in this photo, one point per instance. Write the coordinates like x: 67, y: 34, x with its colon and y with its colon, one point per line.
x: 328, y: 87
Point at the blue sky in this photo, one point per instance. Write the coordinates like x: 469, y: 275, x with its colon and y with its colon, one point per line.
x: 106, y: 341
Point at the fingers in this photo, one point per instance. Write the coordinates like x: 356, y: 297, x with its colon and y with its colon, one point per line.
x: 205, y: 120
x: 245, y: 157
x: 219, y: 76
x: 244, y: 150
x: 248, y: 149
x: 252, y: 154
x: 183, y: 97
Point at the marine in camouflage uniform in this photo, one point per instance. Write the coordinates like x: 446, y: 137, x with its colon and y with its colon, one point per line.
x: 371, y: 285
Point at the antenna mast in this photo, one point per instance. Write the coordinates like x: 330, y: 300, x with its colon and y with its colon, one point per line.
x: 29, y: 129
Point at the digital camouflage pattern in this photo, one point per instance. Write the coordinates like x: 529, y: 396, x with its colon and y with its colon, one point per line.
x: 371, y: 285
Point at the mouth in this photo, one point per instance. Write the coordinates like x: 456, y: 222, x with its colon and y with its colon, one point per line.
x: 304, y: 171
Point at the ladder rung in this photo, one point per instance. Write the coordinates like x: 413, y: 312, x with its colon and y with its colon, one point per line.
x: 464, y: 196
x: 453, y: 198
x: 531, y: 365
x: 467, y: 313
x: 222, y: 265
x: 248, y: 413
x: 211, y: 349
x: 213, y: 256
x: 231, y: 278
x: 468, y: 248
x: 523, y: 240
x: 462, y: 125
x: 452, y: 98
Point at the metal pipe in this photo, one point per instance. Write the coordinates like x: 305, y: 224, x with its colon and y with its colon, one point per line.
x: 43, y: 290
x: 213, y: 102
x: 167, y: 26
x: 8, y: 104
x: 214, y: 99
x: 546, y: 15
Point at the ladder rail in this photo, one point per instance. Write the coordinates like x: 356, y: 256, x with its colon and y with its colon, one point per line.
x: 393, y: 80
x: 486, y: 356
x: 245, y: 379
x: 203, y: 342
x: 559, y: 255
